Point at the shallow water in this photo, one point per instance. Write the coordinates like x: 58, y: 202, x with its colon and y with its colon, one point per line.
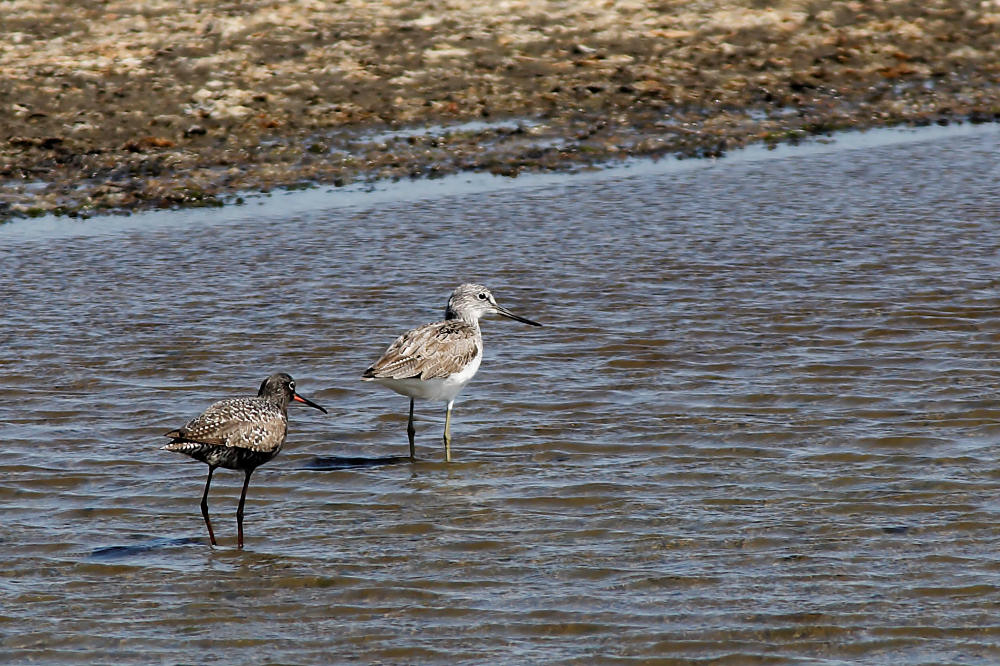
x: 758, y: 426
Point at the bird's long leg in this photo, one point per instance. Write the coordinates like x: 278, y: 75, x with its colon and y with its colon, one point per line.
x: 410, y: 432
x: 447, y: 433
x: 204, y: 506
x: 239, y: 509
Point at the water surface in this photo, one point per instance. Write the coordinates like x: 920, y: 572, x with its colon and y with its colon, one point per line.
x: 758, y: 426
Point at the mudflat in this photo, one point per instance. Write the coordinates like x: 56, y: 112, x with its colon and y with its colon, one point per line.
x: 114, y: 106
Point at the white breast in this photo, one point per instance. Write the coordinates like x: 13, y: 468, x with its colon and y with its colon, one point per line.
x: 440, y: 390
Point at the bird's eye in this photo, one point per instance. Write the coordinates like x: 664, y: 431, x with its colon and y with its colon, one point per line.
x: 482, y: 296
x: 291, y: 385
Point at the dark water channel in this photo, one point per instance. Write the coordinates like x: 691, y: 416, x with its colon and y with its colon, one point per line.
x: 760, y: 425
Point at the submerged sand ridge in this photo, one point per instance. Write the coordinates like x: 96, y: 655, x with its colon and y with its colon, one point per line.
x: 115, y: 106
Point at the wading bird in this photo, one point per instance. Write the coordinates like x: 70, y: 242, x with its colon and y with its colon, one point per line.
x: 240, y: 434
x: 436, y: 361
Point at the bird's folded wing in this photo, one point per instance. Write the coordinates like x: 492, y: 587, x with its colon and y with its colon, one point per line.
x: 238, y: 422
x: 429, y: 352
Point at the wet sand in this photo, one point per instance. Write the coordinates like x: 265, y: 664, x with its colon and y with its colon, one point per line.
x: 119, y: 106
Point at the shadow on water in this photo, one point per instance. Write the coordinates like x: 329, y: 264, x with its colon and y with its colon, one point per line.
x: 327, y: 463
x: 120, y: 552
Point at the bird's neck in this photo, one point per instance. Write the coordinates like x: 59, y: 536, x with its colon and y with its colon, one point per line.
x: 279, y: 400
x: 470, y: 319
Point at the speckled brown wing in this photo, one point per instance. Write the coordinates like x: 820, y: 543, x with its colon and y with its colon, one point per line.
x: 248, y: 423
x: 428, y: 352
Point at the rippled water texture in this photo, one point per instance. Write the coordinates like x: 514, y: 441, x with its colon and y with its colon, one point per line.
x: 759, y: 425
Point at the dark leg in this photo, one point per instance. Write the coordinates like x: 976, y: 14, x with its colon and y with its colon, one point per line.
x: 239, y: 509
x: 410, y: 432
x: 204, y: 506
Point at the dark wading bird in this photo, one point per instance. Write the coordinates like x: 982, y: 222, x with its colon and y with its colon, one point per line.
x: 241, y: 434
x: 436, y: 361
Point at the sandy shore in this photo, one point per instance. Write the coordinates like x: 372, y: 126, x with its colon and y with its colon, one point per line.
x: 118, y: 106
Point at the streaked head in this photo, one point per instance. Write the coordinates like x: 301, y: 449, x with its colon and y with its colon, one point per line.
x: 469, y: 302
x: 280, y: 388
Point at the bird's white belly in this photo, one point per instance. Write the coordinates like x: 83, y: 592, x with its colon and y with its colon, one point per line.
x: 440, y: 390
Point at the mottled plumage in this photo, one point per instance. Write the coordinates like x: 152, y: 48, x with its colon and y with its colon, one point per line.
x: 436, y: 361
x: 239, y: 433
x: 433, y: 351
x: 255, y: 424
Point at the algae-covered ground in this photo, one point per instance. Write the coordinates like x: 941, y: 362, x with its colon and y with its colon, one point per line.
x: 110, y: 105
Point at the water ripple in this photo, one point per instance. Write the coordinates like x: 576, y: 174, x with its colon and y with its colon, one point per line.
x: 758, y: 427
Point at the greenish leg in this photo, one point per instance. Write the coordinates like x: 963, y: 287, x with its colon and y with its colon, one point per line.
x: 447, y: 433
